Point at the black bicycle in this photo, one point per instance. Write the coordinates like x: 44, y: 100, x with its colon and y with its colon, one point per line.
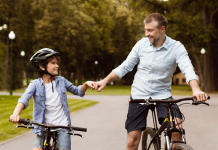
x: 151, y: 137
x: 50, y: 132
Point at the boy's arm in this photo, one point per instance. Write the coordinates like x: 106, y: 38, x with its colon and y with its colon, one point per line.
x: 87, y: 84
x: 23, y: 102
x: 14, y: 118
x: 80, y: 90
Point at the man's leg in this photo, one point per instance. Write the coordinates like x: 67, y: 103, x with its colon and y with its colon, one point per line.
x: 133, y: 139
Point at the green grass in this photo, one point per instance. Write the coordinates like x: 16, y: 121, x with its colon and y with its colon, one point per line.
x: 7, y: 105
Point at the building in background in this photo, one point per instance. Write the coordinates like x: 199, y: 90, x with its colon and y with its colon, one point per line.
x: 179, y: 79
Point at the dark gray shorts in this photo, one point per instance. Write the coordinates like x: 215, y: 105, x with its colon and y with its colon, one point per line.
x: 137, y: 118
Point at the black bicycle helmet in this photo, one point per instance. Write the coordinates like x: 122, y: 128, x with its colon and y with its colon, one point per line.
x: 40, y: 56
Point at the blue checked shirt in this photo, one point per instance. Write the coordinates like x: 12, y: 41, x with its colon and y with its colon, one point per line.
x: 36, y: 89
x: 155, y: 68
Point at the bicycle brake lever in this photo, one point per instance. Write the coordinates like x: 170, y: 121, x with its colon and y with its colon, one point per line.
x: 22, y: 126
x: 70, y: 132
x: 79, y: 135
x: 198, y: 103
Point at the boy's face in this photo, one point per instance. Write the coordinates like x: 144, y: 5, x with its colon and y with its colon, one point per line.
x: 52, y: 67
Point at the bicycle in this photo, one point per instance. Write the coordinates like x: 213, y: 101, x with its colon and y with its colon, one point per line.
x: 151, y: 137
x: 50, y: 136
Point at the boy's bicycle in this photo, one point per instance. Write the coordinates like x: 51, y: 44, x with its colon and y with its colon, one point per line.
x: 50, y: 136
x: 151, y: 138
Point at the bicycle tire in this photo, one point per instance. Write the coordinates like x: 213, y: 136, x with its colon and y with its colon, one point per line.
x: 182, y: 146
x: 147, y: 136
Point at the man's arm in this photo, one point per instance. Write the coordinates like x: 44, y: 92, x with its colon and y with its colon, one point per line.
x: 101, y: 84
x: 201, y: 96
x: 127, y: 66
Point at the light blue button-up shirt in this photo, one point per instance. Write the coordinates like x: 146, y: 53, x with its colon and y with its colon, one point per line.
x: 36, y: 88
x: 155, y: 68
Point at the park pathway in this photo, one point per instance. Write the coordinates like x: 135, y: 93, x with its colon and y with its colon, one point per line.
x: 105, y: 122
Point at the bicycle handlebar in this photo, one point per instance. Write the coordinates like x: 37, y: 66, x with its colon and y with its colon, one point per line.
x: 148, y: 101
x: 29, y: 122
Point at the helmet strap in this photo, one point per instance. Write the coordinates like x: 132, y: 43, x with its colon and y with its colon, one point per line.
x: 52, y: 76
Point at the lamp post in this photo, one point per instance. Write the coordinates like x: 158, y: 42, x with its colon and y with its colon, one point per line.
x: 203, y: 52
x: 22, y: 54
x: 96, y: 63
x: 11, y: 37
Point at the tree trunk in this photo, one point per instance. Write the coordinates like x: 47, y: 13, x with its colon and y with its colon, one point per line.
x: 208, y: 59
x: 5, y: 81
x: 197, y: 59
x: 79, y: 70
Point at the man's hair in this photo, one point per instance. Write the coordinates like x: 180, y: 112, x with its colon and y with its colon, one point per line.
x: 45, y: 63
x: 161, y: 20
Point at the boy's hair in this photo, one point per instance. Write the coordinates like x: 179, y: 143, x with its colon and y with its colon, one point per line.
x: 45, y: 63
x: 161, y: 20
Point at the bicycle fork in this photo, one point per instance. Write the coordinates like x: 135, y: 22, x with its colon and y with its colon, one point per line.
x: 172, y: 128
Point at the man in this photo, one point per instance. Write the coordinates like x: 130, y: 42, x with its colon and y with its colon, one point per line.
x: 157, y: 56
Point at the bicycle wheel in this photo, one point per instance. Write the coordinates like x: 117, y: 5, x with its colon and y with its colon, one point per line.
x: 182, y: 147
x: 147, y: 136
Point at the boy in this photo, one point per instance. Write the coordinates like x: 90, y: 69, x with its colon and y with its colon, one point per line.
x: 49, y: 97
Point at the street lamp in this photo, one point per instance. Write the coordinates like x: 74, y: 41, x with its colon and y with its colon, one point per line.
x: 4, y: 26
x: 95, y: 68
x: 11, y: 37
x: 22, y: 54
x: 203, y: 52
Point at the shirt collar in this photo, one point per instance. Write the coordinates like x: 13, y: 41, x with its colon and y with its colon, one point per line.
x: 42, y: 82
x: 165, y: 44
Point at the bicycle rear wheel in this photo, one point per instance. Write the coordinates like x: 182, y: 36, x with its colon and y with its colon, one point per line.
x: 182, y: 147
x: 147, y: 136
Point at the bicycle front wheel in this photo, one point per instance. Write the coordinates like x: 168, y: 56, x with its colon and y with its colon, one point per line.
x: 147, y: 136
x: 182, y: 147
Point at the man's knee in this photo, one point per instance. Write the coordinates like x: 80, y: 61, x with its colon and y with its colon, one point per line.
x: 133, y: 138
x: 132, y: 141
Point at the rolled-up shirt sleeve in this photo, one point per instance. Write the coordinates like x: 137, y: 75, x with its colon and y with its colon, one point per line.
x: 27, y: 94
x: 131, y: 60
x: 185, y: 65
x: 74, y: 89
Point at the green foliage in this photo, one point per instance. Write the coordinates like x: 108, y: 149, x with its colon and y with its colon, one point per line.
x: 92, y: 30
x: 8, y: 103
x: 3, y: 49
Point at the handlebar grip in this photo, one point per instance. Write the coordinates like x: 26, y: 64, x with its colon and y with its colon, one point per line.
x: 207, y: 97
x: 79, y: 129
x: 24, y: 121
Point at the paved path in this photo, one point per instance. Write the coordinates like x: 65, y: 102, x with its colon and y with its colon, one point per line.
x: 105, y: 122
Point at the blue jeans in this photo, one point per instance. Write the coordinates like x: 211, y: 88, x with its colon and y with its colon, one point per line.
x: 64, y: 140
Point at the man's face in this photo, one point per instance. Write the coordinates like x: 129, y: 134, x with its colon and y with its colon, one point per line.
x: 152, y: 32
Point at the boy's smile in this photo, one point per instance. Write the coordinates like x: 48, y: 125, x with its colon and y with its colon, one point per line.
x: 52, y: 67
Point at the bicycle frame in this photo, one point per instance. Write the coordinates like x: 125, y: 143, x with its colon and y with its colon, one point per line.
x: 47, y: 138
x: 170, y: 127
